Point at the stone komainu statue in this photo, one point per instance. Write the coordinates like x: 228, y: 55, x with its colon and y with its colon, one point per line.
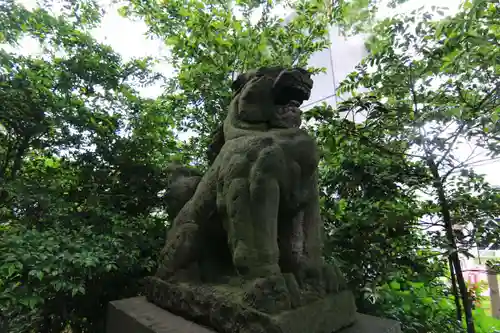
x: 244, y: 250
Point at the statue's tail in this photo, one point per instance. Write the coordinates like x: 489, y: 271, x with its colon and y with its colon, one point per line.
x: 183, y: 180
x: 182, y: 184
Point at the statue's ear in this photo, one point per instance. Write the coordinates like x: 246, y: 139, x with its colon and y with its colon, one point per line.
x: 255, y: 101
x: 239, y: 83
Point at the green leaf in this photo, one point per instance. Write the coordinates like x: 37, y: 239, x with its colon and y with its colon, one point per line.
x: 427, y: 300
x: 31, y: 301
x: 123, y: 11
x: 184, y: 12
x: 395, y: 285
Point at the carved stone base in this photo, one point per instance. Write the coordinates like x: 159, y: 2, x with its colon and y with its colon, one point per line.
x: 137, y: 315
x: 223, y: 309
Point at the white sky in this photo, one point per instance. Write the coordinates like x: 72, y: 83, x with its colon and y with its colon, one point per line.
x: 128, y: 39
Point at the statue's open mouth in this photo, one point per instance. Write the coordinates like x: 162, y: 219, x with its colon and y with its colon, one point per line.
x: 292, y: 88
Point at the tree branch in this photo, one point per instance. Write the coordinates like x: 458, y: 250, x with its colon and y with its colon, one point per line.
x: 452, y: 144
x: 461, y: 165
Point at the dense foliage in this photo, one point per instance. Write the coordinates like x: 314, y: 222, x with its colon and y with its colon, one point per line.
x: 84, y: 158
x: 439, y: 83
x: 75, y: 191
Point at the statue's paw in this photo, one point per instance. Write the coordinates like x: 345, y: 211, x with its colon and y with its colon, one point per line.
x: 164, y: 272
x: 245, y: 260
x: 330, y: 279
x: 180, y: 250
x: 322, y: 276
x: 333, y: 279
x: 268, y: 294
x: 307, y: 274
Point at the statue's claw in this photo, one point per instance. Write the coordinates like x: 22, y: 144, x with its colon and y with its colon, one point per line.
x: 320, y: 276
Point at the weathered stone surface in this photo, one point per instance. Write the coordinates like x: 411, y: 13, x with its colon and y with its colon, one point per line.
x: 224, y: 308
x: 137, y: 315
x: 370, y: 324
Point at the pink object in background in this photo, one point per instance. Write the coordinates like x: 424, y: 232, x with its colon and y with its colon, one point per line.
x: 475, y: 273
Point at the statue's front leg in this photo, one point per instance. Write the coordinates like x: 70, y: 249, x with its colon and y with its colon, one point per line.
x: 252, y: 205
x: 311, y: 261
x: 252, y: 228
x: 312, y: 225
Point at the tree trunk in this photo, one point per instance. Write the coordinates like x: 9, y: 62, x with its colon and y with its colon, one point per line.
x: 454, y: 289
x: 494, y: 293
x: 446, y: 215
x: 466, y: 301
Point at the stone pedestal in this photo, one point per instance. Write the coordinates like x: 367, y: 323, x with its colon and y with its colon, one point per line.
x: 137, y: 315
x: 228, y: 308
x: 371, y: 324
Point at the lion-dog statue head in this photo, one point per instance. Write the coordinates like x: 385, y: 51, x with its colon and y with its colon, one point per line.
x: 263, y: 99
x: 267, y: 98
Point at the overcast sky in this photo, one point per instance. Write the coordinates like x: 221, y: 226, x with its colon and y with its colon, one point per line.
x: 128, y: 38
